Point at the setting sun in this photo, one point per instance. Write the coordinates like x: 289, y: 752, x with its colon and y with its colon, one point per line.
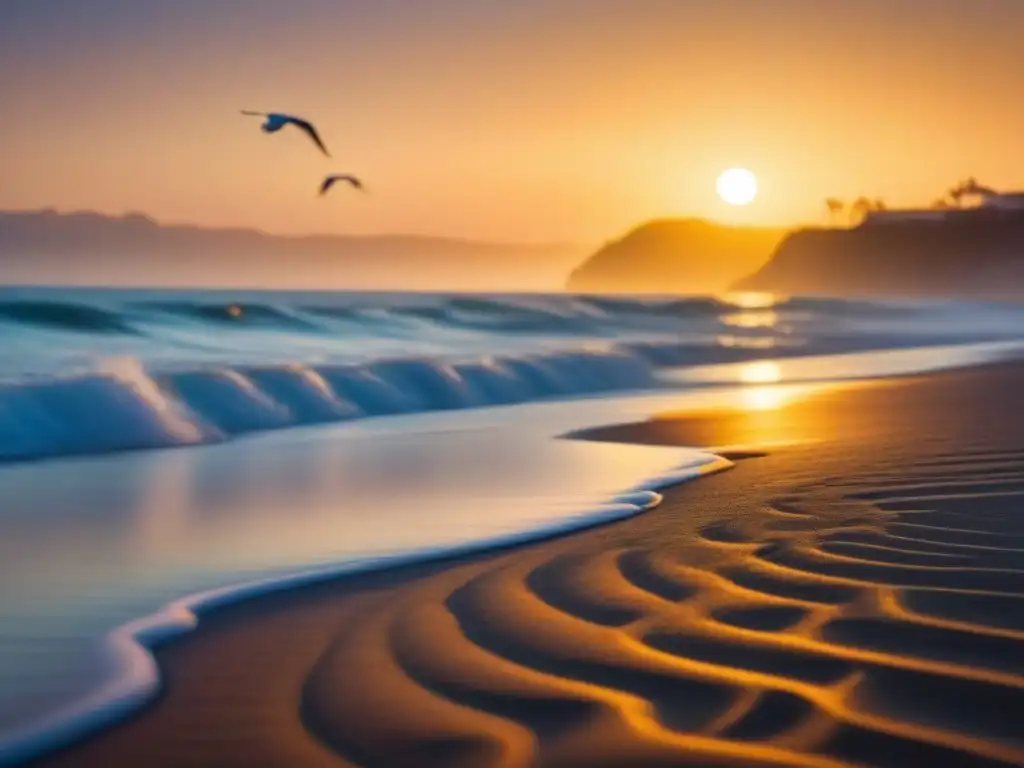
x: 737, y: 186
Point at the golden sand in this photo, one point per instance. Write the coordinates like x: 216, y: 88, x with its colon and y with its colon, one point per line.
x: 853, y: 601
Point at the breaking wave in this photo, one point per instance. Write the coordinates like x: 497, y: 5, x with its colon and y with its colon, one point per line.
x: 553, y: 314
x: 93, y: 372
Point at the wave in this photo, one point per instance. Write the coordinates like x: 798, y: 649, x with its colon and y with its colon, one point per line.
x: 127, y: 407
x: 63, y: 315
x: 504, y: 316
x: 553, y: 314
x: 133, y: 677
x: 236, y: 314
x: 690, y: 307
x: 199, y: 368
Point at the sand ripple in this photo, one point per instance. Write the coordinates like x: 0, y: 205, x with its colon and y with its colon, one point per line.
x: 877, y: 620
x: 871, y: 619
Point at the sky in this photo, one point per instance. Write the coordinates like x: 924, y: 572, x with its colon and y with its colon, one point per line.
x: 534, y: 120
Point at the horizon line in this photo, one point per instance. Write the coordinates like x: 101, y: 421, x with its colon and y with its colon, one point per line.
x: 169, y: 224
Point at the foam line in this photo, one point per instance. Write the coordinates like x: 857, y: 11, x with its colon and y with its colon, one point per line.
x: 134, y: 677
x: 127, y: 407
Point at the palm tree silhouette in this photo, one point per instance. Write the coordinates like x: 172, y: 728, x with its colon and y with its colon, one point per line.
x: 859, y: 210
x: 969, y: 188
x: 956, y: 193
x: 835, y: 207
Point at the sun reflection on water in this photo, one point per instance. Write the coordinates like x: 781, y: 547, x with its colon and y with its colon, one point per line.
x: 750, y: 299
x: 764, y: 398
x: 747, y: 342
x: 761, y: 372
x: 766, y: 318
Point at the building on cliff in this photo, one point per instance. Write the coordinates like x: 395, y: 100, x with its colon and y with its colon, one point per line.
x: 991, y: 204
x: 970, y: 246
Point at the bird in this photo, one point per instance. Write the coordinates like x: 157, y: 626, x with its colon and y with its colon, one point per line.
x: 329, y: 181
x: 275, y: 121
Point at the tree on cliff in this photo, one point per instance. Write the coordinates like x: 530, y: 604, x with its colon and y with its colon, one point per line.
x: 956, y: 193
x: 970, y: 188
x: 835, y: 208
x: 860, y: 208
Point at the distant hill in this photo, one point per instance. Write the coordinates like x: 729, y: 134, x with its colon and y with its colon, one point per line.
x: 964, y: 255
x: 47, y: 247
x: 675, y: 256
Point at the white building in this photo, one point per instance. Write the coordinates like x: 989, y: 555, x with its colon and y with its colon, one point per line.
x: 908, y: 214
x: 988, y: 201
x: 1004, y: 201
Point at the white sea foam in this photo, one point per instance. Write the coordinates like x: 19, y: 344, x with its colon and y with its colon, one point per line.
x: 124, y: 407
x: 97, y: 371
x: 133, y: 677
x: 127, y: 408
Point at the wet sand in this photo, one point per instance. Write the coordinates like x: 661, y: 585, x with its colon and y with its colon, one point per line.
x: 855, y: 597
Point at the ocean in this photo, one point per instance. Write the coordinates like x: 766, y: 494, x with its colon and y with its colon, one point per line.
x: 162, y: 452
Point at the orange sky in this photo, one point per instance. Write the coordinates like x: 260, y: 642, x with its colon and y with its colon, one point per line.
x: 534, y: 120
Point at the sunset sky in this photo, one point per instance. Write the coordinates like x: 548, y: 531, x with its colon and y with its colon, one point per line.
x: 532, y: 120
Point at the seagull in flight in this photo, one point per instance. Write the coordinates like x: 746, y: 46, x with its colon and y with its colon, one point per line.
x: 330, y: 181
x: 275, y: 121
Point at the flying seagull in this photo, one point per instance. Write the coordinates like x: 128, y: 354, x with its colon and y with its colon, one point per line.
x: 329, y: 182
x: 276, y: 121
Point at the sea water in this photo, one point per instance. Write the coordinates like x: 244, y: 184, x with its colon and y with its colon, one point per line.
x: 314, y: 434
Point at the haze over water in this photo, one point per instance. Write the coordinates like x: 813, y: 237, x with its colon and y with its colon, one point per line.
x: 528, y: 121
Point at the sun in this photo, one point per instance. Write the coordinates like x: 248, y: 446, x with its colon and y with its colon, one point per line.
x: 737, y: 186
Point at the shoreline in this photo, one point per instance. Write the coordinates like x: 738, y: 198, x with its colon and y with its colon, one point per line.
x: 132, y: 646
x: 830, y: 681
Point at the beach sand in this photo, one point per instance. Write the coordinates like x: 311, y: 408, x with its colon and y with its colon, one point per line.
x: 853, y: 598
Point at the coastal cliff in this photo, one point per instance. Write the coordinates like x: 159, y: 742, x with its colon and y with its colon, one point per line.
x: 675, y: 256
x: 963, y: 254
